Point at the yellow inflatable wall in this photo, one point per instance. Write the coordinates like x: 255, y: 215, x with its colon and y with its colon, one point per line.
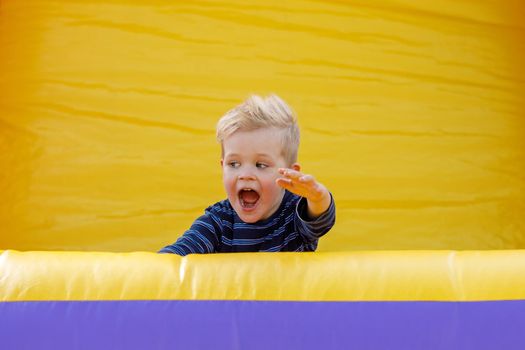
x: 412, y: 113
x: 330, y: 276
x: 442, y: 300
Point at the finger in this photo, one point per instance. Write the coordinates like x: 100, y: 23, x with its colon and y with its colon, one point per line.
x: 285, y: 171
x: 292, y: 174
x: 285, y: 183
x: 306, y: 179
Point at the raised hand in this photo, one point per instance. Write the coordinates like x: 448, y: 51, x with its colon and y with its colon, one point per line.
x: 306, y: 186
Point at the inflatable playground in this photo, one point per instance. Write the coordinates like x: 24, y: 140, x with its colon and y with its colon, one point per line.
x: 411, y: 113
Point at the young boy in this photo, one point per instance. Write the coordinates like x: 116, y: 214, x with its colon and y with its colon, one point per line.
x: 271, y: 205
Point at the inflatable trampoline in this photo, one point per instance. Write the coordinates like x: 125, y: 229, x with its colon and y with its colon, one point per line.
x: 411, y: 113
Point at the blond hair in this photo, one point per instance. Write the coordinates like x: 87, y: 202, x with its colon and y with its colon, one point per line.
x: 258, y: 112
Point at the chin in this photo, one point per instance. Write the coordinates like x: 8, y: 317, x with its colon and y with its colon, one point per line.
x: 249, y: 219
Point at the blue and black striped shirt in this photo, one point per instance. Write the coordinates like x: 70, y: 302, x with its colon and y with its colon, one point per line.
x: 220, y: 230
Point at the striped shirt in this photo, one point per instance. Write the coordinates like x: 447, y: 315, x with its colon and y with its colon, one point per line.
x: 221, y: 230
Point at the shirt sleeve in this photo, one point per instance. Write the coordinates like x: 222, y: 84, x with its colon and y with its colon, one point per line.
x: 201, y: 238
x: 311, y: 230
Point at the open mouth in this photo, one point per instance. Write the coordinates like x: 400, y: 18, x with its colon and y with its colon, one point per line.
x: 248, y: 198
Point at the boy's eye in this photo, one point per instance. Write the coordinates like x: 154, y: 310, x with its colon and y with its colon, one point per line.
x: 234, y: 164
x: 261, y: 165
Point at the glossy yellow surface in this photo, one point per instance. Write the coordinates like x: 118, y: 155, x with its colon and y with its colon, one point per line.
x: 336, y: 276
x: 412, y: 113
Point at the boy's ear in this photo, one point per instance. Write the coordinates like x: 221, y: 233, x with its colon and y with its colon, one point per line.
x: 222, y: 162
x: 296, y: 167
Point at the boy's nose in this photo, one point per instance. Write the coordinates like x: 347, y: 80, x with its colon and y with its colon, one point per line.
x: 246, y: 176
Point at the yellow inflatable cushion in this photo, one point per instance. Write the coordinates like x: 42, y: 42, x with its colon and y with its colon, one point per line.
x: 348, y: 276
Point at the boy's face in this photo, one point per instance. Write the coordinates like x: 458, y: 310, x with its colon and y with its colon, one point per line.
x: 250, y: 164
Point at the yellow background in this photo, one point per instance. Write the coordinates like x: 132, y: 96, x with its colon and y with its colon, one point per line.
x: 411, y: 112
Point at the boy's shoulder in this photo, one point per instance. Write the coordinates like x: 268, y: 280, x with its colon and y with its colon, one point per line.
x: 289, y: 198
x: 222, y: 208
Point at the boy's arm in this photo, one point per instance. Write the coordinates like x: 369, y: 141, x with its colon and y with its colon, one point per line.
x: 317, y: 196
x: 201, y: 238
